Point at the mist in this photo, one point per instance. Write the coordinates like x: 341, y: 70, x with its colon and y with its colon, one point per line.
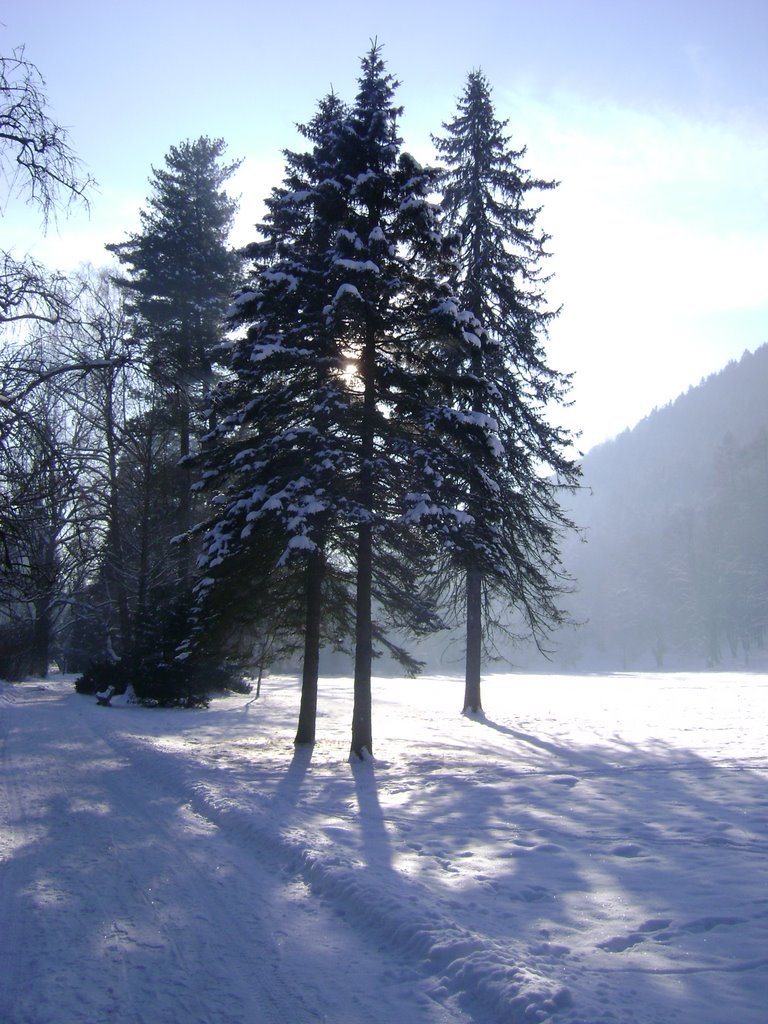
x: 671, y: 566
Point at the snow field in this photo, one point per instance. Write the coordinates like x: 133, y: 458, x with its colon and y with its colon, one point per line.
x: 593, y: 850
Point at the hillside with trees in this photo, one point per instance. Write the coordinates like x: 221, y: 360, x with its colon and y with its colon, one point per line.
x: 673, y: 571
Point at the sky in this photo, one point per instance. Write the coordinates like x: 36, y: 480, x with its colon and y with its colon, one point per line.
x: 651, y: 115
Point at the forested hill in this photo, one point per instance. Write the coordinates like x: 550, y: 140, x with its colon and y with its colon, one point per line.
x: 675, y: 569
x: 670, y: 451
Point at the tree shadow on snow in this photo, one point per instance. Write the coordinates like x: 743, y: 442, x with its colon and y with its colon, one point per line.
x: 639, y: 866
x: 376, y: 846
x: 632, y: 872
x: 118, y: 897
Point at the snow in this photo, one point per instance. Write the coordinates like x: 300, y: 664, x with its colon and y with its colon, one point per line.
x: 235, y: 307
x: 410, y: 202
x: 280, y: 277
x: 421, y: 506
x: 343, y: 234
x: 260, y: 352
x: 365, y: 177
x: 362, y: 266
x: 301, y: 543
x: 346, y: 289
x: 592, y: 850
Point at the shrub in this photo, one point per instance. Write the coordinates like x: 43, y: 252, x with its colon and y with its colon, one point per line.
x: 150, y: 666
x: 102, y: 674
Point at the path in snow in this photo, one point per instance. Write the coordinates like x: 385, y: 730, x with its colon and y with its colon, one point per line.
x: 120, y: 904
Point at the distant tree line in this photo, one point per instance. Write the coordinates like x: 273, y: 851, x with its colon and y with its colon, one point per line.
x: 339, y: 436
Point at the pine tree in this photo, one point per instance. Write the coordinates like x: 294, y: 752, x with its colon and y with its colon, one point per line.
x: 180, y: 274
x: 276, y: 456
x: 507, y: 543
x: 391, y: 269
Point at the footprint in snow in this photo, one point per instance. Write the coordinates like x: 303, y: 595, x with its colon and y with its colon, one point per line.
x: 655, y: 924
x: 627, y: 850
x: 655, y: 928
x: 706, y: 924
x: 533, y: 894
x: 550, y: 949
x: 619, y: 943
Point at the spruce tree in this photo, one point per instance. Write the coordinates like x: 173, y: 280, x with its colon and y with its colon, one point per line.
x: 180, y: 272
x: 391, y: 271
x: 276, y: 455
x: 507, y: 544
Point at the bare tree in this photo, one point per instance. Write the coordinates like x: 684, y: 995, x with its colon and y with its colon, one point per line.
x: 67, y: 396
x: 47, y: 548
x: 36, y: 159
x: 95, y: 356
x: 38, y: 167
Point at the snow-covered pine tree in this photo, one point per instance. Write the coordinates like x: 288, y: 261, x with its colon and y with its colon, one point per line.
x: 276, y: 457
x: 390, y: 305
x: 179, y: 276
x: 507, y: 546
x: 333, y: 386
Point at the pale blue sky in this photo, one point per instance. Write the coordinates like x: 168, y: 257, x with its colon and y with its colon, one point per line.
x: 651, y: 114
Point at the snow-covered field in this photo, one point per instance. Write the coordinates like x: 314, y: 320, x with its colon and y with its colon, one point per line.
x: 593, y: 850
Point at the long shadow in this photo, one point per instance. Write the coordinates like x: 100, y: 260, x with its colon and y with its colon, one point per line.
x: 625, y: 864
x: 567, y: 753
x: 632, y: 864
x: 679, y: 840
x: 115, y: 902
x: 289, y: 787
x: 376, y: 845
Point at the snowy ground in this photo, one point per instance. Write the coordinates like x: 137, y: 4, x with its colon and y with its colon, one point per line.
x: 594, y: 850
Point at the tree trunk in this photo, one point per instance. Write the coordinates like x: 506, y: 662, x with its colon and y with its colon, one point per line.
x: 362, y: 722
x: 474, y: 581
x: 115, y: 558
x: 362, y: 719
x: 474, y: 641
x: 184, y: 559
x: 142, y: 582
x: 41, y: 637
x: 311, y: 666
